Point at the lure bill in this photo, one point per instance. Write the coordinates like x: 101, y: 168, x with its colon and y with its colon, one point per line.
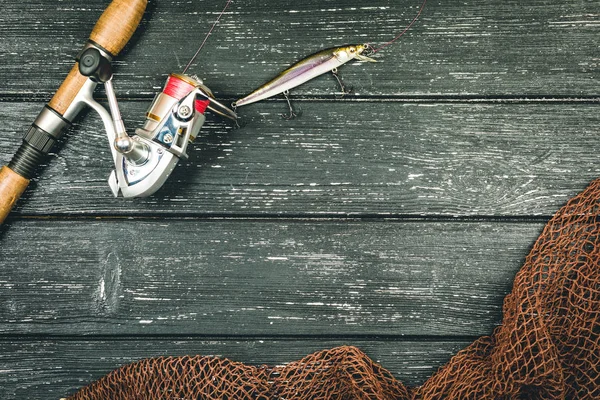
x: 306, y: 69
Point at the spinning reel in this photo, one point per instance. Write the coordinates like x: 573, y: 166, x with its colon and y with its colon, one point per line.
x: 144, y: 161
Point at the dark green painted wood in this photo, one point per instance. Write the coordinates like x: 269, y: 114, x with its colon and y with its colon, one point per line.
x: 483, y: 110
x: 484, y: 48
x: 51, y: 369
x: 372, y: 158
x: 258, y: 277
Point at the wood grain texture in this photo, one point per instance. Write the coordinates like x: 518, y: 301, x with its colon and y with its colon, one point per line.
x: 51, y: 369
x: 68, y: 90
x: 117, y: 24
x: 451, y: 152
x: 490, y: 48
x: 258, y: 277
x: 113, y: 30
x: 359, y: 159
x: 12, y: 186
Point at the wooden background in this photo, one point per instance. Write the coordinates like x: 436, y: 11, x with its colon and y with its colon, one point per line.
x: 394, y: 219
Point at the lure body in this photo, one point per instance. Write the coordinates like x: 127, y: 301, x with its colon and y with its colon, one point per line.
x: 306, y: 69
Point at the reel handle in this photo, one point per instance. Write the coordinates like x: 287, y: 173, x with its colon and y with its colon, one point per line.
x: 111, y: 33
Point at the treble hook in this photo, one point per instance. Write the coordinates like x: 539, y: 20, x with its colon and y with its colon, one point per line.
x: 292, y: 114
x: 345, y: 90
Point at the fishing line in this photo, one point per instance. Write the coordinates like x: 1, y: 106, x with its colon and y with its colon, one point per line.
x: 373, y: 51
x: 206, y: 37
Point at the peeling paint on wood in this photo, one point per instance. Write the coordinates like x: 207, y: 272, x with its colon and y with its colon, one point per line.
x: 484, y: 48
x: 449, y: 155
x: 386, y: 159
x: 259, y: 277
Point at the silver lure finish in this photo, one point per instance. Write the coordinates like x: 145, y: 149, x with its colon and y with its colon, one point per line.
x: 305, y: 70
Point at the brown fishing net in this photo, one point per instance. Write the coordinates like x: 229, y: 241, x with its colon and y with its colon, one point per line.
x: 548, y: 346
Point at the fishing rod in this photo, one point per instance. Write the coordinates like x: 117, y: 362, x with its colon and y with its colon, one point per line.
x: 142, y: 161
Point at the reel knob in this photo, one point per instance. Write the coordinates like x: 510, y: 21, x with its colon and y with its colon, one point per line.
x: 94, y: 65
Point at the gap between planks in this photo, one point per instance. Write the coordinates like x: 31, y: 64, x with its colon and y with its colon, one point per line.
x: 278, y: 218
x: 26, y: 337
x: 427, y: 99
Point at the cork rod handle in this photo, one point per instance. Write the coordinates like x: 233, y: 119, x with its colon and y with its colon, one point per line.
x: 112, y: 31
x: 117, y: 24
x: 12, y: 186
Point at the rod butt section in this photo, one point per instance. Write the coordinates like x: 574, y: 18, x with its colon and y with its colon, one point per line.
x: 12, y: 186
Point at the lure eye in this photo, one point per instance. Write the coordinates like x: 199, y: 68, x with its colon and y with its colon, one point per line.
x: 352, y: 50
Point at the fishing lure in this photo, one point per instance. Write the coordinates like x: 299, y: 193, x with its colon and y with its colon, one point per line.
x: 306, y: 69
x: 315, y: 65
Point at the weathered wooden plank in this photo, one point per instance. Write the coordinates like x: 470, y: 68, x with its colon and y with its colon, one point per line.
x: 483, y: 48
x: 51, y: 369
x: 257, y: 277
x: 388, y: 159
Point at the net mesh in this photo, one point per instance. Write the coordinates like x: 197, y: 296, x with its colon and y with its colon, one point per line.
x: 547, y: 346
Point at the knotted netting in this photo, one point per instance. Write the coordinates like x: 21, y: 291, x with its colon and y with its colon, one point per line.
x: 547, y: 347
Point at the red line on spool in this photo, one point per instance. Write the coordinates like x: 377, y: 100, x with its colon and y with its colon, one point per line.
x: 177, y: 88
x: 201, y: 105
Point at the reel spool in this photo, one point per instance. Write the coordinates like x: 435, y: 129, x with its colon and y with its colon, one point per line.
x: 144, y: 161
